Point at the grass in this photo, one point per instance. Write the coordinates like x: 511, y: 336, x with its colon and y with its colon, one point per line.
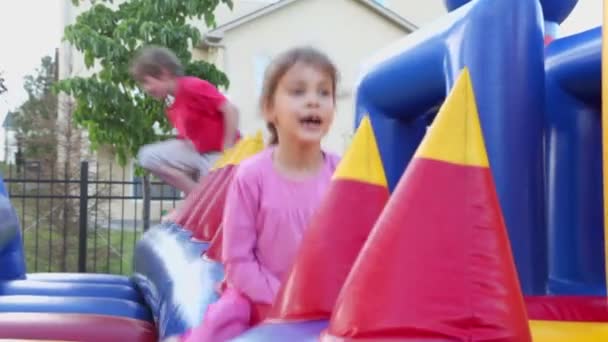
x: 51, y: 232
x: 51, y: 239
x: 108, y: 251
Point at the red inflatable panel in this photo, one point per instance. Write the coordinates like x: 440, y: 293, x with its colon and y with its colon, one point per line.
x: 74, y: 327
x: 210, y: 209
x: 204, y: 188
x: 567, y: 308
x: 214, y: 252
x: 201, y: 211
x: 29, y: 340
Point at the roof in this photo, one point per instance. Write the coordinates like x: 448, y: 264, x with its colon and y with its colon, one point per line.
x: 218, y: 33
x: 9, y: 120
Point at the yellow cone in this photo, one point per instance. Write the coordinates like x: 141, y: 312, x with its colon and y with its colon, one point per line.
x: 363, y: 167
x: 452, y: 139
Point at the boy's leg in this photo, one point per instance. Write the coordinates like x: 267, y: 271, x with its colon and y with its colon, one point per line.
x: 174, y: 161
x: 206, y: 162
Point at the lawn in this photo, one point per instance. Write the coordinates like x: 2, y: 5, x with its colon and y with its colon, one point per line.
x: 108, y: 250
x: 50, y: 223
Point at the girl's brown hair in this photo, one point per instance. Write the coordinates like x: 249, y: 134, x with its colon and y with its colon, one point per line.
x: 279, y: 67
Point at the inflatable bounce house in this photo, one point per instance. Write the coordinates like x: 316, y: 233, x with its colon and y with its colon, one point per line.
x: 469, y: 207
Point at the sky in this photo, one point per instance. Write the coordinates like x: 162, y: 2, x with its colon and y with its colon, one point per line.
x: 31, y: 29
x: 587, y: 14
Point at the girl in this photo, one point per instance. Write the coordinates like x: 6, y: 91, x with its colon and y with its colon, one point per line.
x: 274, y: 193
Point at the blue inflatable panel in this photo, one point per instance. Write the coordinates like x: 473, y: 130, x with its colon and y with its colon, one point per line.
x: 94, y: 278
x: 179, y: 230
x: 178, y: 310
x: 149, y: 293
x: 12, y: 261
x: 161, y: 254
x: 574, y: 154
x: 300, y: 332
x: 84, y: 305
x: 170, y: 272
x: 59, y: 289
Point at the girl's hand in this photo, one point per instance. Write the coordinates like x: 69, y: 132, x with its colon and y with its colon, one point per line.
x: 170, y: 217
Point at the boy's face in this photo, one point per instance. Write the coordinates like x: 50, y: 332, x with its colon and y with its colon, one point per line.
x: 158, y: 88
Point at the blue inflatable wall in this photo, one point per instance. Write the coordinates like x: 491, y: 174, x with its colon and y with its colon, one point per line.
x: 12, y: 260
x: 402, y: 93
x: 540, y: 114
x: 574, y: 165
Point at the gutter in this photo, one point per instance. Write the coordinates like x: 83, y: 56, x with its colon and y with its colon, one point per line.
x: 215, y: 41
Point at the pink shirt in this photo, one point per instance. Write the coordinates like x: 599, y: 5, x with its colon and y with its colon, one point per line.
x: 265, y: 217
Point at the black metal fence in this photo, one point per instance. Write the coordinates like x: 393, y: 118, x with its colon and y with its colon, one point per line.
x: 85, y: 217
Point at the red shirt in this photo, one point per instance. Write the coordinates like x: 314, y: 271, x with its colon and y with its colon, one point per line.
x: 196, y: 115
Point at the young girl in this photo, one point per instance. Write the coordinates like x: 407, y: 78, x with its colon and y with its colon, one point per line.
x: 274, y: 193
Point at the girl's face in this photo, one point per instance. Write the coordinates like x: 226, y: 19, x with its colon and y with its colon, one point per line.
x: 303, y: 106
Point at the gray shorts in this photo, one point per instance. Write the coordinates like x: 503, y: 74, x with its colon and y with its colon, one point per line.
x: 178, y: 154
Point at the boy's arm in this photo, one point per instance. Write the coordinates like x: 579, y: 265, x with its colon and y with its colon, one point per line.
x: 207, y: 96
x: 231, y: 123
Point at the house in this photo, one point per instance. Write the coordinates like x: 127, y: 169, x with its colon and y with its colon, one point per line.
x: 246, y: 39
x: 10, y: 140
x: 243, y: 47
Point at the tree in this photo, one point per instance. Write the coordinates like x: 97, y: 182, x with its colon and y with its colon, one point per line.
x: 35, y: 120
x: 2, y: 86
x: 108, y: 103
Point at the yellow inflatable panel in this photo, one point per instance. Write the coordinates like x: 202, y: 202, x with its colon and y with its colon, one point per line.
x: 555, y: 331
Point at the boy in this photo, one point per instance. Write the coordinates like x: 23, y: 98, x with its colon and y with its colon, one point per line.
x: 205, y: 120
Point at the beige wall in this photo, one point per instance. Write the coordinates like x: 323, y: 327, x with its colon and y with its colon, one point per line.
x: 348, y: 42
x: 224, y: 14
x: 419, y: 12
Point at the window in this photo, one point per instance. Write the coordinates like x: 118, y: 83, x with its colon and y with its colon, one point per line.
x: 260, y: 63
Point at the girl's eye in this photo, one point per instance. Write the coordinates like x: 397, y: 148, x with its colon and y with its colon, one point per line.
x: 297, y: 91
x: 325, y: 92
